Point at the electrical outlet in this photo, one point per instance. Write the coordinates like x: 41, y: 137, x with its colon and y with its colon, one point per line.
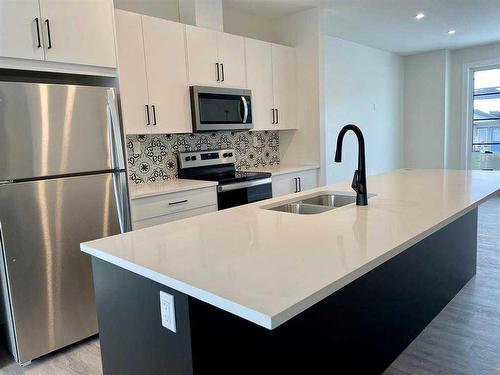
x: 167, y: 309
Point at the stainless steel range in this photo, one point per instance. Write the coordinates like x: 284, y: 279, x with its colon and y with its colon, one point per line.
x: 235, y: 187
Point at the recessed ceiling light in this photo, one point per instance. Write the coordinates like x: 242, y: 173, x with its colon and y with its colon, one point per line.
x: 419, y: 16
x: 452, y: 31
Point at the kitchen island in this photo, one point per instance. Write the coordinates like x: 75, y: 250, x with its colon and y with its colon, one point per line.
x: 260, y: 291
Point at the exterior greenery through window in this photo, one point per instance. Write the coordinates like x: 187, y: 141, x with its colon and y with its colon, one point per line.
x: 486, y: 120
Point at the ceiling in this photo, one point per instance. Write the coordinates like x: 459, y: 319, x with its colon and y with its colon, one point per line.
x: 391, y: 24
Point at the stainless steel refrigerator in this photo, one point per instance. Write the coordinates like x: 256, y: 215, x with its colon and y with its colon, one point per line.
x: 62, y: 182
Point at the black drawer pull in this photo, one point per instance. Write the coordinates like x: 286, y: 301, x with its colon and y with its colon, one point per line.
x: 178, y: 202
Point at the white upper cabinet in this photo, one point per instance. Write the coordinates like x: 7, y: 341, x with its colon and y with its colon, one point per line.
x: 20, y: 29
x: 152, y: 73
x: 62, y: 31
x: 166, y: 68
x: 260, y: 81
x: 231, y: 52
x: 132, y: 73
x: 284, y: 87
x: 204, y: 68
x: 271, y: 75
x: 79, y: 31
x: 215, y: 58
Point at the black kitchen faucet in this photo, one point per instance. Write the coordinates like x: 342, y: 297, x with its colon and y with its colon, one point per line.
x: 359, y: 179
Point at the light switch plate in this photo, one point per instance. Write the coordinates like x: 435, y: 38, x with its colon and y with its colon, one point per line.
x: 167, y: 309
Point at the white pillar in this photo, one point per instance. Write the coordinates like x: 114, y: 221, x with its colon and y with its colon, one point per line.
x: 202, y: 13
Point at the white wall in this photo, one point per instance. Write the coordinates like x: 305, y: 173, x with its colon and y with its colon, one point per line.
x: 235, y: 21
x: 425, y: 110
x: 363, y: 86
x: 458, y: 131
x: 302, y: 30
x: 168, y: 9
x: 202, y: 13
x: 244, y: 24
x: 437, y: 133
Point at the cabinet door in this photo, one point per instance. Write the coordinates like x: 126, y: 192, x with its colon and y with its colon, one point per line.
x: 132, y: 72
x: 260, y: 82
x: 285, y: 86
x: 165, y: 54
x: 18, y: 29
x: 284, y: 184
x: 294, y: 182
x: 81, y: 31
x: 231, y: 52
x: 308, y: 179
x: 202, y: 56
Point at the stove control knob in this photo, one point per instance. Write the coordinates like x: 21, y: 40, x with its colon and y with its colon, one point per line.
x: 193, y: 157
x: 187, y: 158
x: 230, y: 154
x: 225, y: 155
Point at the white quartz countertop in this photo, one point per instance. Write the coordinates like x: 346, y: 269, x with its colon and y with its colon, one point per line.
x: 178, y: 184
x: 268, y: 266
x: 169, y: 186
x: 285, y: 168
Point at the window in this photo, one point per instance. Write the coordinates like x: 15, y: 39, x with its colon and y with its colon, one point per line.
x: 486, y: 116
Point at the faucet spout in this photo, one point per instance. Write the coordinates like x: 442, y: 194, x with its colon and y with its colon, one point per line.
x: 359, y: 179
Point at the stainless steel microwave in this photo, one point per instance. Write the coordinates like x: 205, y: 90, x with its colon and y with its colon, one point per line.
x: 217, y: 108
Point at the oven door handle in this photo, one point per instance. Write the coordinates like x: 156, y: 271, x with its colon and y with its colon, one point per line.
x: 243, y: 185
x: 245, y: 109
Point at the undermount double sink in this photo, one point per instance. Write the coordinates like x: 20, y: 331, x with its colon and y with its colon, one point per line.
x: 315, y: 204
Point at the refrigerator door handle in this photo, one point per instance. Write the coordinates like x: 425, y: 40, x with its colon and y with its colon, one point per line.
x: 116, y: 138
x: 121, y: 199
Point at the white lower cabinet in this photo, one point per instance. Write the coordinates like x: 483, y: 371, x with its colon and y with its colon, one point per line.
x: 159, y: 209
x: 294, y: 182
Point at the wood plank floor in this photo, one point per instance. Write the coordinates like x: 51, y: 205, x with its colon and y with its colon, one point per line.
x: 463, y: 339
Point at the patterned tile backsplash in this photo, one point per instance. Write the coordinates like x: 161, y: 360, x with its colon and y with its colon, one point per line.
x: 153, y: 158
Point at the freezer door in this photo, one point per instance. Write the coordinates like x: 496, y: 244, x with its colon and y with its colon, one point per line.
x: 50, y: 130
x: 49, y: 279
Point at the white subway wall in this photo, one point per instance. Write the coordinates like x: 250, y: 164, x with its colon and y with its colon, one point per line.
x: 363, y: 86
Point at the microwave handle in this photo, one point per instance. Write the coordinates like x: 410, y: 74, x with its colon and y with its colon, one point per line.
x: 245, y: 109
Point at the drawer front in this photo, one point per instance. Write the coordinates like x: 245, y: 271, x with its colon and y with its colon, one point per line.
x: 166, y: 204
x: 172, y: 217
x: 288, y: 183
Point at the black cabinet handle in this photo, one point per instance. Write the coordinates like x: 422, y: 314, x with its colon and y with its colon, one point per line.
x: 222, y: 71
x: 277, y: 116
x: 296, y: 184
x: 38, y: 33
x: 147, y: 115
x: 274, y: 118
x: 178, y: 202
x: 217, y: 70
x: 47, y: 22
x: 153, y: 107
x: 300, y: 183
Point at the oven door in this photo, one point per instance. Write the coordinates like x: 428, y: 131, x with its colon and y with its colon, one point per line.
x: 240, y: 193
x: 215, y: 108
